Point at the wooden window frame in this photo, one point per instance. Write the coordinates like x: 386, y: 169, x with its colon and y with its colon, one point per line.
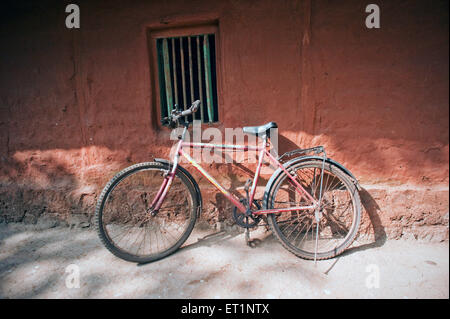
x: 181, y: 31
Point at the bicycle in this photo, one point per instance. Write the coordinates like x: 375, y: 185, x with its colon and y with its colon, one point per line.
x: 311, y: 203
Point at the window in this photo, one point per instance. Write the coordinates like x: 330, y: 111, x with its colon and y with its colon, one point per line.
x: 186, y: 67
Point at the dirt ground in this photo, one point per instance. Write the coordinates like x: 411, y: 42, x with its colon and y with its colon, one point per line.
x: 43, y: 263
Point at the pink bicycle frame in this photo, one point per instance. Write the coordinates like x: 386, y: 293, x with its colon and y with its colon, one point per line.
x: 262, y: 149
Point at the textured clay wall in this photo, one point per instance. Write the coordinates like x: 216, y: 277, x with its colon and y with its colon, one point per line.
x: 77, y: 105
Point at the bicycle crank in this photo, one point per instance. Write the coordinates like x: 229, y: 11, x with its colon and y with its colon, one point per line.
x: 246, y: 220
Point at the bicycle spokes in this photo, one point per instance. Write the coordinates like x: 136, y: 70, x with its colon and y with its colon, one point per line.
x: 321, y: 231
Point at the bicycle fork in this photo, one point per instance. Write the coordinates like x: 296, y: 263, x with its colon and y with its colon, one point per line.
x: 168, y: 178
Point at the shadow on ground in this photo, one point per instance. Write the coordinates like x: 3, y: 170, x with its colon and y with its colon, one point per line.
x: 31, y: 251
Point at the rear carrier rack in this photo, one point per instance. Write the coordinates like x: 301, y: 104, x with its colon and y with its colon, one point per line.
x: 312, y: 150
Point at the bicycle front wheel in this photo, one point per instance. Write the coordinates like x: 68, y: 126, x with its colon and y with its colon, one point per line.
x: 305, y: 233
x: 123, y: 217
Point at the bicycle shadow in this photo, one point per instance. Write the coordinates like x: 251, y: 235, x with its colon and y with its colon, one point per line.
x: 211, y: 239
x: 372, y: 209
x: 380, y: 237
x: 205, y: 241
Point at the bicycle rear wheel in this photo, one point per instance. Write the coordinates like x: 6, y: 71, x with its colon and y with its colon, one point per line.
x: 340, y: 213
x: 123, y: 217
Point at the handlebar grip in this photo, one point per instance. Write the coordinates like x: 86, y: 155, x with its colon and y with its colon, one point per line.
x: 192, y: 109
x: 185, y: 113
x: 195, y: 106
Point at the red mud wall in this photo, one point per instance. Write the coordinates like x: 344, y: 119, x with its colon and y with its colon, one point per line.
x: 77, y: 105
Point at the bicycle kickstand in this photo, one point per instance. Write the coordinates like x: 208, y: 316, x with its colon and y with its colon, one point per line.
x: 248, y: 241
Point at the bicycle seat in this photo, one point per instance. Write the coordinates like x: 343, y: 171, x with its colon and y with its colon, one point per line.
x: 256, y: 130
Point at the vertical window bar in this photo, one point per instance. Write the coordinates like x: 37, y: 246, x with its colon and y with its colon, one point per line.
x: 209, y: 92
x: 167, y: 76
x: 162, y: 92
x: 200, y: 86
x: 174, y: 68
x: 191, y: 75
x: 183, y: 74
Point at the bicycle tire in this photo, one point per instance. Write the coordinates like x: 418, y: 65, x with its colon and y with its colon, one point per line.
x: 101, y: 226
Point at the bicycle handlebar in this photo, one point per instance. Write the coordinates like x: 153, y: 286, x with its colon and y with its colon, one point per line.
x: 191, y: 110
x: 176, y: 114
